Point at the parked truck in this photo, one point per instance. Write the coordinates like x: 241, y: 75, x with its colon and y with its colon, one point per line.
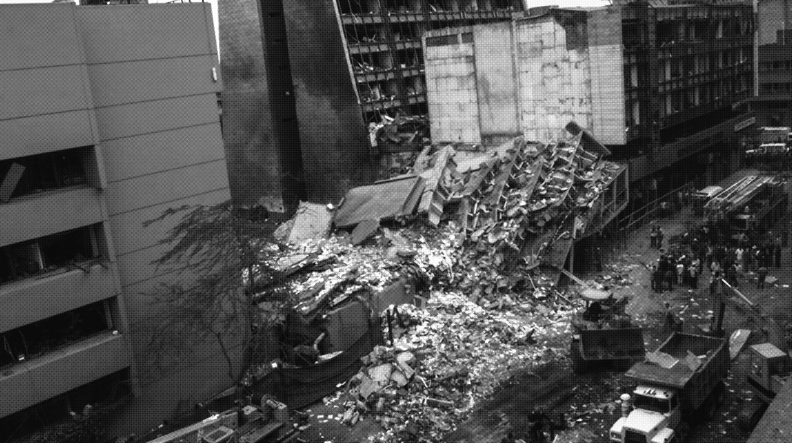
x: 681, y: 381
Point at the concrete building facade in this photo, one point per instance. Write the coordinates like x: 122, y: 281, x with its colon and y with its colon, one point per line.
x: 658, y: 85
x: 318, y: 72
x: 108, y: 119
x: 773, y: 101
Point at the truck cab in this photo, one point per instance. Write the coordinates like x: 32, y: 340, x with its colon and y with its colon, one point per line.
x: 656, y: 413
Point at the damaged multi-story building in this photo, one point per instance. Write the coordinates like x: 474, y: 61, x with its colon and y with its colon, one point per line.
x: 662, y: 85
x: 315, y: 74
x: 108, y: 117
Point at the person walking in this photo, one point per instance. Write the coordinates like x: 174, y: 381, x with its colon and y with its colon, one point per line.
x: 762, y: 276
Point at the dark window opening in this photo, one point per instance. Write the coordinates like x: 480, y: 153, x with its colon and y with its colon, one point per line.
x: 70, y: 248
x: 35, y: 422
x: 442, y: 40
x: 44, y: 172
x: 38, y: 338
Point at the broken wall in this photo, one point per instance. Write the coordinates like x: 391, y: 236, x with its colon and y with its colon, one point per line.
x: 451, y: 89
x: 607, y: 77
x: 496, y: 83
x: 530, y: 76
x: 555, y: 86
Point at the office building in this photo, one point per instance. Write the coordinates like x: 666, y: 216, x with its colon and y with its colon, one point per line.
x: 661, y: 86
x: 315, y: 74
x: 773, y: 103
x: 107, y: 119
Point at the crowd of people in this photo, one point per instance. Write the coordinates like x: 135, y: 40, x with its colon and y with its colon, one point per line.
x: 730, y: 258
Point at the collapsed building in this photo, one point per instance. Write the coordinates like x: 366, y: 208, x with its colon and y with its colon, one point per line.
x: 465, y: 240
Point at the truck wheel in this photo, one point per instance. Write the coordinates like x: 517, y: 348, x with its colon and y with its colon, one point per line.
x: 578, y: 364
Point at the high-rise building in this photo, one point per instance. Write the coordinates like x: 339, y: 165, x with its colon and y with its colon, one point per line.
x: 662, y: 86
x: 315, y: 74
x: 108, y: 117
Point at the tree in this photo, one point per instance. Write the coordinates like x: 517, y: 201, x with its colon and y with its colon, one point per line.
x: 215, y: 257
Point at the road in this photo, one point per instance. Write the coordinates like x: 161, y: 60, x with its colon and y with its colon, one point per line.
x: 588, y: 401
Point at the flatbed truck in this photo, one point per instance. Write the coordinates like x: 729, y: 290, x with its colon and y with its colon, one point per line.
x: 682, y: 381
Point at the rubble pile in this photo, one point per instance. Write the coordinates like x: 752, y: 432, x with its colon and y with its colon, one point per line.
x: 442, y: 361
x: 484, y: 233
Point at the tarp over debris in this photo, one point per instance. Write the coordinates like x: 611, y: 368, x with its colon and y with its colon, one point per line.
x: 382, y: 200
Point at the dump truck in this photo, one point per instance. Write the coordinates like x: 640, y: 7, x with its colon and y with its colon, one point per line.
x: 682, y: 381
x: 603, y: 334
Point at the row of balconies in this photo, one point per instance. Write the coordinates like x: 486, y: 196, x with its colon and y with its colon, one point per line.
x: 417, y: 17
x: 390, y: 102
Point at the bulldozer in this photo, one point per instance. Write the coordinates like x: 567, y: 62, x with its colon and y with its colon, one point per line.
x: 604, y: 334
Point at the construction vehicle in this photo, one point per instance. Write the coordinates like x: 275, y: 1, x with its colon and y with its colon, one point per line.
x: 745, y: 206
x: 769, y: 363
x: 603, y: 333
x: 682, y: 381
x: 769, y: 370
x: 776, y: 424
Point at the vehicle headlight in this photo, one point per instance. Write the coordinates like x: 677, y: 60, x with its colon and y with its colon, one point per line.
x: 615, y: 436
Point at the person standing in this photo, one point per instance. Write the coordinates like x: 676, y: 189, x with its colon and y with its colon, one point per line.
x: 680, y: 271
x: 713, y: 283
x: 669, y: 277
x: 655, y: 279
x: 659, y: 237
x: 653, y: 236
x: 762, y: 276
x: 777, y: 251
x: 693, y: 277
x: 715, y: 267
x: 739, y: 254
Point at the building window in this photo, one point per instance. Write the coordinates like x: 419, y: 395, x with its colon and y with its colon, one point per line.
x: 44, y: 336
x: 43, y: 172
x: 46, y: 254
